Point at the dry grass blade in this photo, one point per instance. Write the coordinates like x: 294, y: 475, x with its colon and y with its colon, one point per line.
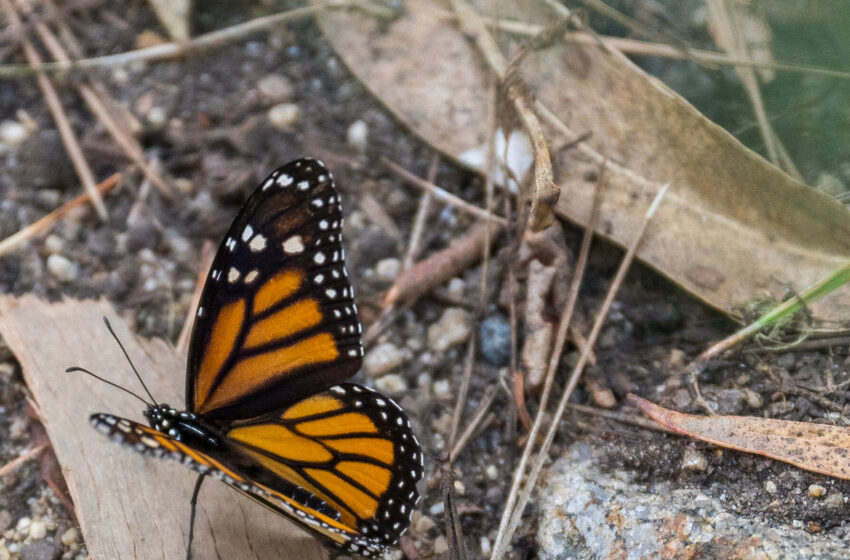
x: 43, y: 224
x: 454, y: 533
x: 69, y: 139
x: 506, y: 530
x: 12, y: 465
x: 421, y: 215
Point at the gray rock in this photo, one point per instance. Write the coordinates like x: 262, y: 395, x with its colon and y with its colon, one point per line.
x: 586, y: 514
x: 494, y: 336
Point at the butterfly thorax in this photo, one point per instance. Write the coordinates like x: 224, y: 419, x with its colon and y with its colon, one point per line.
x: 182, y: 425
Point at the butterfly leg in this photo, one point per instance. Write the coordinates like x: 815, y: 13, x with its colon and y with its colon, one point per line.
x: 193, y: 503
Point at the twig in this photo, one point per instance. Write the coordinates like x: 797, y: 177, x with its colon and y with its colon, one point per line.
x: 545, y: 192
x: 207, y: 254
x: 554, y: 358
x: 426, y: 275
x: 453, y: 529
x: 501, y: 542
x: 42, y: 224
x: 127, y: 143
x: 440, y: 194
x: 69, y: 139
x: 621, y: 417
x: 12, y: 465
x: 475, y: 422
x: 201, y: 42
x: 421, y: 215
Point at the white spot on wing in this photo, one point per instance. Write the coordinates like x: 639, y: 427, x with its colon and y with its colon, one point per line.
x: 251, y: 276
x: 258, y: 243
x: 293, y: 245
x: 247, y: 232
x: 233, y: 274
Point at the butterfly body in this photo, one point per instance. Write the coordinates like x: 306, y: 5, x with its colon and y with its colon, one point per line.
x: 267, y: 410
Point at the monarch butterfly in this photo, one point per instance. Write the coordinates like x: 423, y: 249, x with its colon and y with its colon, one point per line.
x: 275, y: 336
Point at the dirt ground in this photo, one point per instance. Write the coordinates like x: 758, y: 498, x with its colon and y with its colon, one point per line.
x: 206, y: 122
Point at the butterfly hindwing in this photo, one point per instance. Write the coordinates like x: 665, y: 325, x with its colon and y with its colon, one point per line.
x: 277, y: 319
x: 349, y: 446
x: 294, y: 503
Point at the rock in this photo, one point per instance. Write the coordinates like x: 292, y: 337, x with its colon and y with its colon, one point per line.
x: 442, y: 390
x: 441, y: 545
x: 284, y: 116
x: 729, y: 401
x: 54, y: 244
x: 387, y: 269
x: 491, y: 472
x: 383, y: 358
x: 770, y: 487
x: 485, y: 546
x: 44, y: 549
x: 816, y: 490
x: 13, y: 133
x: 586, y: 514
x: 358, y: 135
x: 275, y: 88
x: 694, y: 461
x: 452, y: 329
x: 37, y: 530
x: 391, y: 384
x: 157, y: 118
x: 70, y: 537
x: 753, y: 399
x: 423, y: 525
x: 62, y: 268
x: 834, y: 502
x: 494, y: 338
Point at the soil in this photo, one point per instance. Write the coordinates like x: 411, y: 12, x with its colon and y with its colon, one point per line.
x: 216, y: 142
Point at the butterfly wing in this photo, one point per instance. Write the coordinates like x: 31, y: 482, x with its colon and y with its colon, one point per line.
x: 349, y: 446
x: 297, y: 504
x: 277, y: 320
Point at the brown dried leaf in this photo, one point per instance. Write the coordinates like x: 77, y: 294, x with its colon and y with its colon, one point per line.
x: 820, y: 448
x: 729, y: 212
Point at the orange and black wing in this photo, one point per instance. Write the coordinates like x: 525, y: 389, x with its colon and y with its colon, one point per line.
x: 297, y: 504
x: 277, y: 320
x: 349, y: 446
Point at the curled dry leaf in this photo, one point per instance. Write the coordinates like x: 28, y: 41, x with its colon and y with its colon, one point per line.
x: 731, y: 216
x: 819, y: 448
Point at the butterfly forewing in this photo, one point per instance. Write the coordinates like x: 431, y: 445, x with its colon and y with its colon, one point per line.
x: 277, y: 320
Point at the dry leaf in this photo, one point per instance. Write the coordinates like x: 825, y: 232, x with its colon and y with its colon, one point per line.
x: 730, y: 215
x: 174, y: 16
x: 820, y: 448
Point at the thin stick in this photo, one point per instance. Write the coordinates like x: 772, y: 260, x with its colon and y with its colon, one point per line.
x: 505, y: 536
x: 474, y: 422
x: 172, y: 50
x: 69, y: 139
x: 207, y: 254
x: 12, y: 465
x: 621, y: 417
x: 555, y: 356
x: 43, y: 224
x: 127, y: 143
x: 439, y: 193
x: 421, y: 215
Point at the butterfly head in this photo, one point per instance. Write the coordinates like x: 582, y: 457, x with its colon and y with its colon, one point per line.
x: 181, y: 425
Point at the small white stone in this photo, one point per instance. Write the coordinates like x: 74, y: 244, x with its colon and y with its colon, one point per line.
x: 441, y: 545
x: 70, y: 537
x: 62, y: 268
x: 423, y: 524
x: 275, y: 88
x: 284, y: 116
x: 455, y: 288
x: 383, y: 358
x: 391, y: 384
x: 23, y: 524
x: 358, y: 135
x: 770, y: 487
x: 460, y: 487
x: 387, y: 269
x: 486, y: 547
x: 157, y: 117
x: 491, y: 472
x: 38, y: 530
x: 694, y: 461
x: 816, y: 491
x: 54, y: 244
x: 452, y: 329
x: 442, y: 389
x: 13, y: 133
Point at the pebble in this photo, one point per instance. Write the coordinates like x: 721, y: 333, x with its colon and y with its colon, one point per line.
x: 275, y: 88
x: 494, y: 336
x: 391, y: 384
x: 441, y: 545
x: 4, y: 552
x: 491, y: 472
x: 423, y: 525
x: 284, y: 116
x: 13, y: 133
x: 70, y: 537
x: 383, y: 358
x: 834, y: 502
x: 460, y: 487
x: 437, y: 509
x: 41, y: 550
x: 753, y: 399
x: 387, y: 269
x: 730, y: 401
x: 456, y: 288
x: 816, y: 490
x: 694, y: 461
x: 485, y: 546
x: 54, y: 244
x: 451, y: 329
x: 62, y: 268
x: 5, y: 520
x: 157, y: 118
x: 769, y: 487
x: 358, y: 135
x: 442, y: 390
x: 38, y: 530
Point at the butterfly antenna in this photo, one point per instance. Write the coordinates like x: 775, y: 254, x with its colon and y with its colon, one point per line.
x: 126, y: 355
x: 126, y: 390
